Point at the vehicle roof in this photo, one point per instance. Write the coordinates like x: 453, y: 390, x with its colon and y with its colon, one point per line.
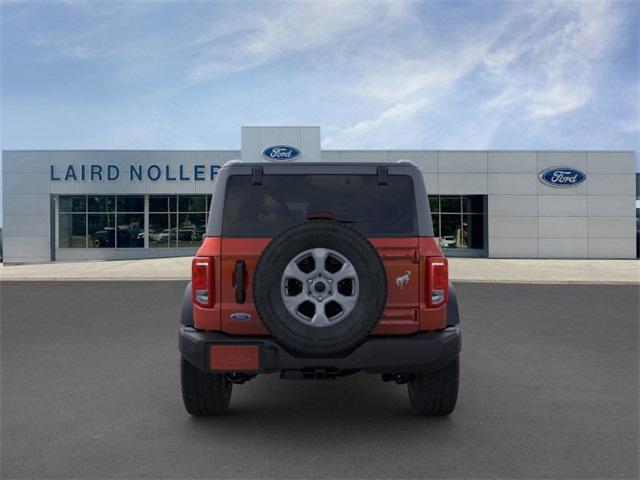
x: 315, y: 165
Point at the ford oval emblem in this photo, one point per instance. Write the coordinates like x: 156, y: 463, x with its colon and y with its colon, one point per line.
x: 562, y: 176
x: 280, y: 153
x: 240, y: 316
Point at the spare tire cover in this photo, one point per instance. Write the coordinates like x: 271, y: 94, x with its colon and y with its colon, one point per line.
x: 320, y: 288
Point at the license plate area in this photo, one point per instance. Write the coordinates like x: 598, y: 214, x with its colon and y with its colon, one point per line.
x: 234, y: 358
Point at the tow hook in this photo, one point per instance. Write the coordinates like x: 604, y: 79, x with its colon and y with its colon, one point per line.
x: 239, y: 378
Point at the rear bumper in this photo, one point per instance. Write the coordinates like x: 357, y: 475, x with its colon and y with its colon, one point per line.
x: 425, y: 351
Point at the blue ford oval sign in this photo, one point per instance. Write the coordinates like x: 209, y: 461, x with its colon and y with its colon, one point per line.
x: 280, y: 153
x: 562, y: 177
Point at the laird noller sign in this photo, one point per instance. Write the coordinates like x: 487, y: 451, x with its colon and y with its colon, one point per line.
x: 133, y: 173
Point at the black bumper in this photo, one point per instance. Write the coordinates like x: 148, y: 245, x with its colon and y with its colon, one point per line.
x: 425, y: 351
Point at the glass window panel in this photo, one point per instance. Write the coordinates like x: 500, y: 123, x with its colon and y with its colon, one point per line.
x: 72, y: 230
x: 158, y: 203
x: 192, y: 203
x: 473, y: 231
x: 72, y: 203
x: 285, y: 200
x: 450, y: 204
x: 434, y: 204
x: 130, y: 230
x: 101, y: 230
x: 102, y: 203
x: 473, y: 204
x: 173, y: 203
x: 158, y: 230
x: 436, y: 224
x: 191, y: 228
x: 209, y: 202
x: 131, y: 203
x: 451, y: 231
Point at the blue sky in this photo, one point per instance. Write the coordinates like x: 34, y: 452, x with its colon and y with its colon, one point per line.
x: 401, y: 74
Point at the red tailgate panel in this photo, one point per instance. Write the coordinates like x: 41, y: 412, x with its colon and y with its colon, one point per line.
x: 248, y: 250
x: 404, y: 261
x: 400, y: 259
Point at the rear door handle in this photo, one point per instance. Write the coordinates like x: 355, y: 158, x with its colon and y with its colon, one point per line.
x: 239, y: 278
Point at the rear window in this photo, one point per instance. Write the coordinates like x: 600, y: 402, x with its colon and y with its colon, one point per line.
x: 282, y: 201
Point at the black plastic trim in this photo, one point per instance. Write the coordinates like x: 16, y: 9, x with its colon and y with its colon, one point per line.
x: 256, y: 175
x: 420, y: 352
x: 453, y: 312
x: 239, y: 279
x: 186, y: 314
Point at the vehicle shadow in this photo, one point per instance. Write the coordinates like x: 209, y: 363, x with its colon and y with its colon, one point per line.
x: 357, y: 401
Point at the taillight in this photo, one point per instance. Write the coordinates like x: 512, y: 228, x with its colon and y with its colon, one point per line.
x: 202, y: 281
x: 437, y: 281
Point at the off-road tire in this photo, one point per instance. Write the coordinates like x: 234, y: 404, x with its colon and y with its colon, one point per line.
x: 333, y: 340
x: 204, y: 394
x: 434, y: 394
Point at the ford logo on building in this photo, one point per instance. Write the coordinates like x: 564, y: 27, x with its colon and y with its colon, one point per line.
x: 562, y: 177
x: 280, y: 153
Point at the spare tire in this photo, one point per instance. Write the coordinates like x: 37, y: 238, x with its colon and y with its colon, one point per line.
x: 320, y: 288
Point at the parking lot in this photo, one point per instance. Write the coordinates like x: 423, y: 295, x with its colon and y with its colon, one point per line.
x: 90, y: 389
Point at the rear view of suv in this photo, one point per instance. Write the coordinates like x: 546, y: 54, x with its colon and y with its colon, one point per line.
x: 319, y: 270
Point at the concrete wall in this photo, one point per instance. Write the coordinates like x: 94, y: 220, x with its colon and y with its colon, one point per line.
x: 28, y: 190
x: 526, y: 218
x: 531, y: 219
x: 26, y: 207
x: 256, y: 139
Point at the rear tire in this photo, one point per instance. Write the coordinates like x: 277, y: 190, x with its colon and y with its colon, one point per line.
x: 204, y: 394
x: 434, y: 394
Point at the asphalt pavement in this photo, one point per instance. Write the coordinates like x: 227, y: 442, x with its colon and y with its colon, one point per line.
x: 90, y: 389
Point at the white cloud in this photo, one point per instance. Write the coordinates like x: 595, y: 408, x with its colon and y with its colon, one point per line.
x: 539, y: 60
x: 261, y: 37
x: 397, y: 114
x: 232, y: 37
x: 377, y: 72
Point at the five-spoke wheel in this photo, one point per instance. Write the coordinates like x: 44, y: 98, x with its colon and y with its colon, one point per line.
x: 319, y: 287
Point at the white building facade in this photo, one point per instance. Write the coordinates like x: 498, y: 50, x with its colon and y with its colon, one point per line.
x: 68, y: 205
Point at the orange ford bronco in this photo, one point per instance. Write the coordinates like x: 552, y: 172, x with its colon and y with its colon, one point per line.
x: 319, y: 270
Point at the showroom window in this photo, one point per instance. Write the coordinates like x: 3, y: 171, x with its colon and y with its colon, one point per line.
x: 72, y: 222
x: 101, y: 221
x: 118, y: 221
x: 459, y: 220
x: 177, y: 220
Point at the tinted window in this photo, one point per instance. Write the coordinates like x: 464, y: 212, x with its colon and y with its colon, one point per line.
x: 285, y: 200
x: 459, y: 221
x: 102, y: 203
x: 73, y: 203
x: 72, y: 228
x: 158, y: 203
x: 131, y: 203
x: 192, y: 203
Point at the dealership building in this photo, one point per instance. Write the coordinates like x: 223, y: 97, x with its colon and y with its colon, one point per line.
x: 69, y: 205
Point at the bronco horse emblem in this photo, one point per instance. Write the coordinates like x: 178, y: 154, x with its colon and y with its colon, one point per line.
x: 402, y: 280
